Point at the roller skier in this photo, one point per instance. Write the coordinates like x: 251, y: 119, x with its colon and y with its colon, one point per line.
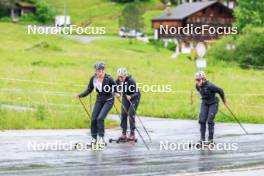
x: 209, y: 105
x: 101, y: 82
x: 130, y: 101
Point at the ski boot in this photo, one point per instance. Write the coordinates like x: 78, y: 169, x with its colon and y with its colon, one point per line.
x: 200, y: 143
x: 101, y: 142
x: 210, y: 143
x: 123, y: 137
x: 132, y: 136
x: 93, y: 141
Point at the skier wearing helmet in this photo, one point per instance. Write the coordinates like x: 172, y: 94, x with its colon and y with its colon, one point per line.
x: 130, y: 97
x: 209, y: 106
x: 104, y: 100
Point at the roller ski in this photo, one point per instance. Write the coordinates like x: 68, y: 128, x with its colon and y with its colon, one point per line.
x: 123, y: 139
x: 93, y: 145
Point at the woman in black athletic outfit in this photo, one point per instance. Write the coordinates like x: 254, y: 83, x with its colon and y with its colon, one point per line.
x: 105, y: 87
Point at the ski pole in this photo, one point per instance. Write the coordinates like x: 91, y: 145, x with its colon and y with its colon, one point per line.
x: 140, y: 120
x: 91, y: 103
x: 85, y: 108
x: 231, y: 112
x: 117, y: 112
x: 141, y: 137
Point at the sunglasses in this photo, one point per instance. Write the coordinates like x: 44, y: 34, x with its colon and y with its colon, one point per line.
x: 198, y: 80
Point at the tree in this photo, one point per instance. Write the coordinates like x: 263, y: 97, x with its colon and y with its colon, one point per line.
x: 7, y: 5
x: 249, y: 12
x: 250, y: 47
x: 132, y: 17
x: 45, y: 13
x: 3, y: 10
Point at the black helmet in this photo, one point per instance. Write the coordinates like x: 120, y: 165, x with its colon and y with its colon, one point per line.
x: 99, y: 66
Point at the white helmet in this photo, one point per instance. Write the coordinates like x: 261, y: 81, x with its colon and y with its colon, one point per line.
x: 121, y: 72
x: 200, y: 75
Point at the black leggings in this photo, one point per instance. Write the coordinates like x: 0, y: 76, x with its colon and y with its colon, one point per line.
x: 100, y: 111
x: 131, y: 111
x: 207, y: 114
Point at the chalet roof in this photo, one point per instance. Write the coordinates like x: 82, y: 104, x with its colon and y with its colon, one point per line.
x: 25, y: 4
x: 184, y: 10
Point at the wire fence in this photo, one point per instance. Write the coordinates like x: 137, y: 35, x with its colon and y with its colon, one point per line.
x: 191, y: 96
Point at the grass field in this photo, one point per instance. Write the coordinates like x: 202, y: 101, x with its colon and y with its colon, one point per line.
x: 104, y: 13
x: 46, y: 72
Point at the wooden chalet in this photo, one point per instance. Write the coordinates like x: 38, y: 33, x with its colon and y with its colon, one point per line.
x: 24, y: 8
x: 212, y: 13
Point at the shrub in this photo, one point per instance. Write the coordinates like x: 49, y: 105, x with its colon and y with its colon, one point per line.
x: 171, y: 46
x: 156, y: 43
x: 248, y: 48
x: 160, y: 44
x: 220, y: 50
x: 3, y: 10
x: 5, y: 19
x: 28, y: 18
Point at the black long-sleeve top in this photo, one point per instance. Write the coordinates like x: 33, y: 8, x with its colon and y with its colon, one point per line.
x: 208, y: 91
x: 129, y: 87
x: 108, y: 88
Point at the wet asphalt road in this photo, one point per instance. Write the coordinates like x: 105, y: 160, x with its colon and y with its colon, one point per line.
x: 18, y: 158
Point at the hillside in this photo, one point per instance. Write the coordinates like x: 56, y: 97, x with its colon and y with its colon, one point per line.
x: 103, y: 12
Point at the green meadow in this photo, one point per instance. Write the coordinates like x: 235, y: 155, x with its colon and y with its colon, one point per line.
x: 46, y: 72
x: 104, y: 13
